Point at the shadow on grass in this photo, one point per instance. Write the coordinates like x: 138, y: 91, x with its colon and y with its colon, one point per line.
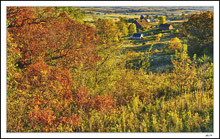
x: 144, y: 48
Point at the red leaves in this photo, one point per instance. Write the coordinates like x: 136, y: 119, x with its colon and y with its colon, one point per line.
x: 72, y: 120
x: 37, y: 73
x: 104, y: 103
x: 46, y: 118
x: 18, y: 16
x: 82, y: 92
x: 83, y: 98
x: 39, y: 116
x: 52, y: 37
x: 50, y: 88
x: 101, y: 103
x: 50, y: 45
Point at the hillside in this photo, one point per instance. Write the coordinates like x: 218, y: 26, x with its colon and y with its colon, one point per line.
x: 70, y: 70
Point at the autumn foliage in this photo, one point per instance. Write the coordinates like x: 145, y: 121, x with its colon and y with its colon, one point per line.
x: 48, y: 48
x: 53, y: 38
x: 175, y: 44
x: 66, y: 76
x: 199, y: 32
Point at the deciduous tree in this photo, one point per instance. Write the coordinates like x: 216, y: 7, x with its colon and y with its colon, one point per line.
x: 123, y: 28
x: 175, y: 44
x: 162, y: 19
x: 199, y: 32
x: 132, y: 29
x: 107, y: 31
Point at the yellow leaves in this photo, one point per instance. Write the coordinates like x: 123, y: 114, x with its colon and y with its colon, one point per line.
x: 36, y: 107
x: 159, y: 35
x: 44, y: 72
x: 135, y: 100
x: 162, y: 19
x: 35, y: 77
x: 175, y: 44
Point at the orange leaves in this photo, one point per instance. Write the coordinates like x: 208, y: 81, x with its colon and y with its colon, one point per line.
x: 157, y: 39
x: 175, y: 44
x: 18, y: 16
x: 46, y: 119
x: 40, y: 116
x: 82, y: 92
x: 104, y: 103
x: 52, y: 37
x: 55, y: 79
x: 39, y: 65
x: 50, y: 88
x: 37, y: 72
x: 83, y: 98
x: 53, y: 84
x: 72, y: 120
x: 101, y: 103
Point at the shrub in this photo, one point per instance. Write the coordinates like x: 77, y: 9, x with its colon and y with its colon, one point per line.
x: 157, y: 39
x: 175, y: 44
x: 159, y: 35
x: 177, y: 31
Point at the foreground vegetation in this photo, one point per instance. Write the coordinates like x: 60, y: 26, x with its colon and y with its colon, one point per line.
x: 66, y: 76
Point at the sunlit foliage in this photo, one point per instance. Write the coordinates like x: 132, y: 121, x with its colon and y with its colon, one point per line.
x: 132, y: 29
x: 74, y: 13
x: 65, y: 76
x: 123, y: 28
x: 175, y: 44
x: 162, y: 19
x: 107, y: 31
x: 199, y: 31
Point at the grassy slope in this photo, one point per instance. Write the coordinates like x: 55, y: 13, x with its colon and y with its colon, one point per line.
x: 161, y: 54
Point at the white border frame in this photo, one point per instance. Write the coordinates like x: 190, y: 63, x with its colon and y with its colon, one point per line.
x: 4, y: 4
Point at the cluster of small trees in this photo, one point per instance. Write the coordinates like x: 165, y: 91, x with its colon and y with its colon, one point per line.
x: 111, y: 31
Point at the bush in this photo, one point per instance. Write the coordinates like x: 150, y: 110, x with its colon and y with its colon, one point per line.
x: 156, y: 51
x: 175, y: 44
x: 159, y: 35
x: 157, y: 39
x: 177, y: 31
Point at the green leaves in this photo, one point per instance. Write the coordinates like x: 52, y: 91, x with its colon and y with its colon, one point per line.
x: 123, y: 28
x: 199, y: 32
x: 107, y: 31
x: 132, y: 29
x: 162, y: 19
x: 74, y: 13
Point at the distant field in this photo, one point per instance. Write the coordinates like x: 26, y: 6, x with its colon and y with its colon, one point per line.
x: 89, y: 17
x: 140, y: 10
x: 177, y: 12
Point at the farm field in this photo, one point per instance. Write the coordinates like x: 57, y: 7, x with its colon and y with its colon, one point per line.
x: 141, y: 10
x: 72, y: 71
